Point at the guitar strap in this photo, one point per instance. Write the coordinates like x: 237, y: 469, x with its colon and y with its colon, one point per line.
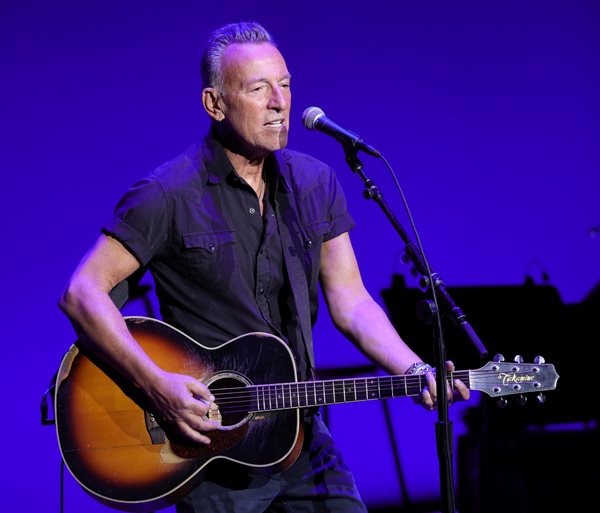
x: 120, y: 294
x: 293, y: 250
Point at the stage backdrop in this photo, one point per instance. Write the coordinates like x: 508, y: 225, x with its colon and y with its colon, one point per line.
x: 487, y: 111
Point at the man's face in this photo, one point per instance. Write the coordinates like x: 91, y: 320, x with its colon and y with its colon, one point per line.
x: 256, y: 97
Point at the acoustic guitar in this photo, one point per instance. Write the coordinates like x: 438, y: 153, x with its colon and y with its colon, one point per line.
x: 120, y: 454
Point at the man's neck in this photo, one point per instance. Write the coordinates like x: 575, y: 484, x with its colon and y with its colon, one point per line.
x: 248, y: 166
x: 250, y: 170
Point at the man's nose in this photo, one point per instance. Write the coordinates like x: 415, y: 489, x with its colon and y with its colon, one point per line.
x: 278, y: 100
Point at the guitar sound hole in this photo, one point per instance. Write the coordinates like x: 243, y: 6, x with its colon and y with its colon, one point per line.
x: 233, y: 401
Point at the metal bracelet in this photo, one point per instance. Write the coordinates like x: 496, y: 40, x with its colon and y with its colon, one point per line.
x: 418, y: 368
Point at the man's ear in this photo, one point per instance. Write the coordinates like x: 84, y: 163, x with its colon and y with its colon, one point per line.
x: 211, y: 100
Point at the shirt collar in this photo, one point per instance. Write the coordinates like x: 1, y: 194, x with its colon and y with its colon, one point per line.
x: 218, y: 165
x: 280, y: 171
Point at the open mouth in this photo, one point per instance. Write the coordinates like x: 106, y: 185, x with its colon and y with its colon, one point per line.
x: 276, y: 124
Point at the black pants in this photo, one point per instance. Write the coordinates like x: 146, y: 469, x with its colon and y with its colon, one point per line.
x: 318, y: 481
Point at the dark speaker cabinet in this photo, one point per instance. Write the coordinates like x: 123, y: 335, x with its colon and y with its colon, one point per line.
x: 520, y: 458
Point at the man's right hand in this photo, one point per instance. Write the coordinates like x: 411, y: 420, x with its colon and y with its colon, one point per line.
x: 182, y: 403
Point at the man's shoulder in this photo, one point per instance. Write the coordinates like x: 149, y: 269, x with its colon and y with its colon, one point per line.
x: 297, y: 158
x: 186, y: 169
x: 303, y: 171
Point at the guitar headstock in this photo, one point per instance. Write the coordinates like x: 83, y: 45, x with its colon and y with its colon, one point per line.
x: 499, y: 378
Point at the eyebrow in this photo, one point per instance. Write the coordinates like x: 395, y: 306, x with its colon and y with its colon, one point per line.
x: 287, y: 76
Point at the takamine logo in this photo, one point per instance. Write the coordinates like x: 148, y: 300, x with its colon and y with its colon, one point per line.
x: 507, y: 379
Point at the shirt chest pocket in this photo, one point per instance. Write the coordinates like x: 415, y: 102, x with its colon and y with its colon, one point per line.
x: 210, y: 258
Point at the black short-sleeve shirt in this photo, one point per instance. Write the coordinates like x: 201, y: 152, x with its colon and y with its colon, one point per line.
x: 219, y: 266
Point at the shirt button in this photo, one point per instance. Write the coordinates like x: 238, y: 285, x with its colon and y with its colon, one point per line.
x: 252, y: 210
x: 261, y: 291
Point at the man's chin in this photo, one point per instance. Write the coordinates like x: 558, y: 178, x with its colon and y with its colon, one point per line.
x: 283, y: 139
x: 277, y: 143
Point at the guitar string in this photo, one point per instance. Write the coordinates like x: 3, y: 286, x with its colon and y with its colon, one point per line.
x: 381, y: 381
x: 248, y: 406
x: 264, y: 393
x: 312, y: 387
x: 249, y: 400
x: 247, y: 403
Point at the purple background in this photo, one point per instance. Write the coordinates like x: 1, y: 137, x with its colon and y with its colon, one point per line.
x: 487, y: 111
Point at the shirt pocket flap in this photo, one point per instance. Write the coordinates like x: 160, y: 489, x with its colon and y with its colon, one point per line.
x: 208, y: 241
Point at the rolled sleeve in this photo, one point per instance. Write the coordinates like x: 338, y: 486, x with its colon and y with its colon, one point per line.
x: 141, y: 219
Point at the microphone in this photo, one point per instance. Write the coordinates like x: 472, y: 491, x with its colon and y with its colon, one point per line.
x: 315, y: 119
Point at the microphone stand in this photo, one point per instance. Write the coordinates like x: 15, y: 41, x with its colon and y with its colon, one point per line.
x: 433, y: 281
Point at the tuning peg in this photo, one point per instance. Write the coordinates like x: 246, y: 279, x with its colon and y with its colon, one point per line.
x: 540, y: 398
x: 521, y: 400
x: 501, y: 403
x: 518, y: 358
x: 539, y: 359
x: 498, y: 358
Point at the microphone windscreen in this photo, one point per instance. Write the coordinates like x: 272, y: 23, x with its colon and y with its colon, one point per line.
x: 310, y: 115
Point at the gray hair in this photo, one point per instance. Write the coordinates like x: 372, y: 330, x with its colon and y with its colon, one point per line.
x: 242, y: 32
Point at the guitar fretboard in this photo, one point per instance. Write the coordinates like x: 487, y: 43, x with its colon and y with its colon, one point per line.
x: 316, y: 393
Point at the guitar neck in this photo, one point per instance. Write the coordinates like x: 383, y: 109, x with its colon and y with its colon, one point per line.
x: 317, y: 393
x: 496, y: 379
